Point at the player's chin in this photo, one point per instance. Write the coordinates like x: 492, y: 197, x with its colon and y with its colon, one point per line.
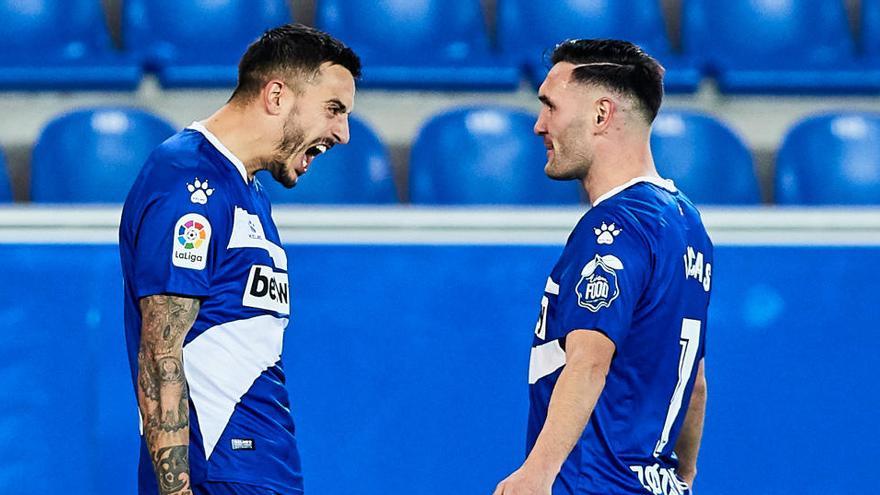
x: 555, y: 172
x: 552, y: 171
x: 285, y: 175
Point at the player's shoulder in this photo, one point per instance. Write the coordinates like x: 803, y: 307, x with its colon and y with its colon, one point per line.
x: 606, y: 227
x: 645, y: 204
x: 183, y: 172
x: 186, y: 162
x: 184, y: 154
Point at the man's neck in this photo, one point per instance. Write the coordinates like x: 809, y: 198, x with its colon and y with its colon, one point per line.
x: 240, y: 135
x: 615, y: 167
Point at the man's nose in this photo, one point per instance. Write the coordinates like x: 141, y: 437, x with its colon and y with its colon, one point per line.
x: 540, y: 128
x: 340, y: 131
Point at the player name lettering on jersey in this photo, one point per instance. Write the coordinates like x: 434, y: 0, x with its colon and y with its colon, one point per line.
x: 267, y: 289
x: 696, y: 268
x: 659, y: 481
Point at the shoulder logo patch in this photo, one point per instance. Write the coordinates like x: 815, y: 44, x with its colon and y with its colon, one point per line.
x: 606, y: 233
x: 192, y: 234
x: 598, y: 287
x: 199, y: 190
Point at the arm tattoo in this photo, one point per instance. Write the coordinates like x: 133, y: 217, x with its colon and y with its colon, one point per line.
x: 172, y: 468
x: 163, y: 395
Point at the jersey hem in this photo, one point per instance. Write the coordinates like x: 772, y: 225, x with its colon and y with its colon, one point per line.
x: 279, y: 489
x: 158, y: 291
x: 593, y: 329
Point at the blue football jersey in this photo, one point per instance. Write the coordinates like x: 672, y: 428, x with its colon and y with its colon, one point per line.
x: 637, y: 268
x: 193, y: 225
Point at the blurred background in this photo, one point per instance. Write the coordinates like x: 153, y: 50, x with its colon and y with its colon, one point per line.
x: 420, y: 249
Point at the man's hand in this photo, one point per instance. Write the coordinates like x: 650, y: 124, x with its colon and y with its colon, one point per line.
x: 525, y: 481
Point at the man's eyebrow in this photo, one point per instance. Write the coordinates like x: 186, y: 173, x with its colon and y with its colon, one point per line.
x: 340, y: 104
x: 545, y: 100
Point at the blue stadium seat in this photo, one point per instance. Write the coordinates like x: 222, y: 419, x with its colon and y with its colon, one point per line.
x: 47, y: 44
x: 5, y: 187
x: 704, y: 158
x: 830, y: 159
x: 93, y: 155
x: 197, y: 43
x: 434, y: 44
x: 528, y: 30
x: 870, y: 31
x: 355, y: 173
x: 483, y: 155
x: 777, y: 46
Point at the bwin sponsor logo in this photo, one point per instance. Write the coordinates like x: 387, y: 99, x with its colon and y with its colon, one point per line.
x: 263, y: 286
x: 267, y: 289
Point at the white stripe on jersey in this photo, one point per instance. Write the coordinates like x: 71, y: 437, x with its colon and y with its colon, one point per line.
x: 223, y: 363
x: 551, y: 287
x: 247, y: 232
x: 545, y: 359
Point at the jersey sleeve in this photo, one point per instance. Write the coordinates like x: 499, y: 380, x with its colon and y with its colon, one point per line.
x: 176, y: 244
x: 609, y: 268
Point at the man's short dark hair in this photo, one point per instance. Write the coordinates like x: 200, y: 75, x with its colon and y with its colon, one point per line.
x: 290, y: 51
x: 617, y: 65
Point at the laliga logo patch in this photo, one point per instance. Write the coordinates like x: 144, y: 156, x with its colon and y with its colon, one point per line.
x: 598, y: 287
x: 200, y: 191
x: 192, y: 234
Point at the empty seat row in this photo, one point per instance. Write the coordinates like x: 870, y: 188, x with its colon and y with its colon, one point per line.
x: 767, y: 46
x: 478, y: 155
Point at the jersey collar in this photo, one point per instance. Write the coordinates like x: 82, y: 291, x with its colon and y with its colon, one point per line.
x: 657, y: 181
x: 198, y: 126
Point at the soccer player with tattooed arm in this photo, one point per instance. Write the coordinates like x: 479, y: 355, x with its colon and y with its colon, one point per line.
x: 207, y: 297
x: 616, y: 375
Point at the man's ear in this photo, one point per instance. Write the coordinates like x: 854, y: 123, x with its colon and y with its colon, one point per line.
x: 604, y: 108
x: 272, y: 96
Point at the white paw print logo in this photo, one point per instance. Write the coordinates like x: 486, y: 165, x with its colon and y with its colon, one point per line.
x: 606, y: 233
x: 200, y: 191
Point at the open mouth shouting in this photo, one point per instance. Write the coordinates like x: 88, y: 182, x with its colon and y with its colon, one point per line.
x: 311, y: 153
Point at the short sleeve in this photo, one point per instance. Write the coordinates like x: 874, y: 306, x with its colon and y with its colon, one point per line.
x: 175, y: 246
x: 609, y: 265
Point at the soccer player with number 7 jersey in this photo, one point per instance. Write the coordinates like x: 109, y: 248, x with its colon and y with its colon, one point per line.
x: 616, y: 374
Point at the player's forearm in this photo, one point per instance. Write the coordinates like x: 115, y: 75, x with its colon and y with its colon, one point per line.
x: 163, y: 402
x: 688, y: 445
x: 571, y: 405
x: 163, y: 396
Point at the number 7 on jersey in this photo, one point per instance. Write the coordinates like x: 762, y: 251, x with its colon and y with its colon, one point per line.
x: 690, y: 343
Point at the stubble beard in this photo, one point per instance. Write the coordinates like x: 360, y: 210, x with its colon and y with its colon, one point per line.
x: 292, y: 140
x: 568, y: 163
